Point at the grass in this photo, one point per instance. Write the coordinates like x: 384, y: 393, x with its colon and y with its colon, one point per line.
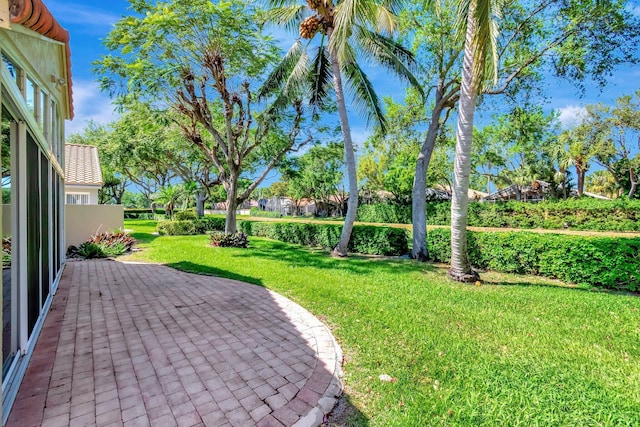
x: 517, y: 350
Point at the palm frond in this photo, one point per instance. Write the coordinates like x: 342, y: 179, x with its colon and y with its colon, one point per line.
x: 364, y: 97
x: 288, y: 16
x: 391, y: 54
x: 347, y: 14
x: 297, y: 77
x: 270, y: 4
x: 320, y: 77
x: 386, y: 20
x: 279, y: 76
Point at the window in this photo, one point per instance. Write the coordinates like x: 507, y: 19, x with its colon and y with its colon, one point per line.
x: 77, y: 198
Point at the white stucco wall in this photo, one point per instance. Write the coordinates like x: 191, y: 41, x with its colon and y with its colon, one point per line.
x: 81, y: 221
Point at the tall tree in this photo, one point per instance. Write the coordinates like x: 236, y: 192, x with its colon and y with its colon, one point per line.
x: 480, y: 55
x: 574, y: 40
x: 203, y: 59
x: 346, y: 31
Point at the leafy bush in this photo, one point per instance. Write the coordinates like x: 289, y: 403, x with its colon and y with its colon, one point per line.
x: 264, y: 214
x: 364, y: 239
x: 89, y: 250
x: 190, y: 227
x: 223, y: 240
x: 384, y: 213
x: 187, y: 215
x: 113, y: 239
x: 594, y: 261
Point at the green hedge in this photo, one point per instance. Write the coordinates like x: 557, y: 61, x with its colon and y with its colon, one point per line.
x: 190, y: 227
x: 264, y: 214
x: 364, y: 239
x: 594, y: 261
x: 145, y: 213
x: 576, y: 214
x: 384, y: 213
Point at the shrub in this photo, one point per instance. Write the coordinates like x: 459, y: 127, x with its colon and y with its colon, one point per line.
x: 186, y: 215
x: 594, y: 261
x: 223, y: 240
x: 264, y: 214
x: 6, y: 251
x: 113, y: 238
x: 143, y: 213
x: 189, y: 227
x: 177, y: 228
x: 90, y: 250
x: 364, y: 239
x: 384, y: 213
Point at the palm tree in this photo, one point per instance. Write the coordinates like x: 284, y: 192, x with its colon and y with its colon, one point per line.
x: 169, y: 196
x: 476, y: 18
x: 347, y: 31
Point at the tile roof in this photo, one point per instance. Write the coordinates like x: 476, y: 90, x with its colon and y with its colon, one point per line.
x: 33, y: 14
x: 82, y: 165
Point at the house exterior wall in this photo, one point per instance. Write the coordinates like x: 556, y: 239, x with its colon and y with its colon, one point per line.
x: 92, y: 191
x: 34, y: 107
x: 82, y: 221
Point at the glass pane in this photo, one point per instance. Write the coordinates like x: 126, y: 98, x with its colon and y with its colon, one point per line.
x: 10, y: 66
x: 30, y: 94
x: 44, y: 225
x: 33, y: 232
x: 9, y: 328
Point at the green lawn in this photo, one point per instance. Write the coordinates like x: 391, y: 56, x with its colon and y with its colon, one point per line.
x: 516, y: 350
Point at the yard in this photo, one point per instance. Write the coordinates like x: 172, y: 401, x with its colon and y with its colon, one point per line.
x: 515, y: 350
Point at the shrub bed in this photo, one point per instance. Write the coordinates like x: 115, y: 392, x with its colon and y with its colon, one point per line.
x: 264, y: 214
x: 190, y: 227
x: 594, y: 261
x: 364, y: 239
x: 576, y: 214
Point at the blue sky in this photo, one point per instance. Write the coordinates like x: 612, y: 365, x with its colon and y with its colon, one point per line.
x: 89, y: 21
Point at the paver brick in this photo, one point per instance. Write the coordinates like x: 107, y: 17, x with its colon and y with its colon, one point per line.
x: 138, y: 345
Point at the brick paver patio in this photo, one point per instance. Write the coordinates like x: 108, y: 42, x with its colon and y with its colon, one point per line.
x: 141, y: 344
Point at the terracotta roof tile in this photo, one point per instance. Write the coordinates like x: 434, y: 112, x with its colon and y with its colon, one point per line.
x: 34, y: 15
x: 82, y: 165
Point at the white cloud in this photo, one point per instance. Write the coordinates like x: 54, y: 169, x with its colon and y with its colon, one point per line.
x: 90, y: 19
x: 570, y: 115
x: 90, y: 104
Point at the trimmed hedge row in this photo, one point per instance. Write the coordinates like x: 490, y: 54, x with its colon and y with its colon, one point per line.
x: 364, y: 239
x: 264, y: 214
x: 576, y: 214
x: 191, y: 227
x: 593, y: 261
x: 136, y: 213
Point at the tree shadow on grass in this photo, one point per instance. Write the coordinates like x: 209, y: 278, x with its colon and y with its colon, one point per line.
x: 346, y: 414
x: 190, y: 267
x: 302, y: 256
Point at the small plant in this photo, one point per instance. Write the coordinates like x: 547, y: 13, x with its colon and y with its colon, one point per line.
x: 223, y: 240
x: 88, y: 250
x: 6, y: 251
x: 113, y: 238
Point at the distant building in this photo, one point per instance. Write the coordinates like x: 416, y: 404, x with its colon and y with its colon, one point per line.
x: 82, y: 174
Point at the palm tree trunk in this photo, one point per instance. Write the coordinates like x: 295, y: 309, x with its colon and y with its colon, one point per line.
x: 420, y: 250
x: 460, y: 267
x: 349, y: 154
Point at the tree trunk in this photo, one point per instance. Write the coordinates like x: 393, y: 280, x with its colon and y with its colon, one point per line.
x: 201, y: 197
x: 460, y: 267
x: 634, y: 183
x: 350, y: 158
x: 420, y: 250
x: 232, y: 205
x: 580, y: 175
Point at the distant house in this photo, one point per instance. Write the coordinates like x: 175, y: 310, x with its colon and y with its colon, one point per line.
x: 83, y: 176
x: 534, y: 192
